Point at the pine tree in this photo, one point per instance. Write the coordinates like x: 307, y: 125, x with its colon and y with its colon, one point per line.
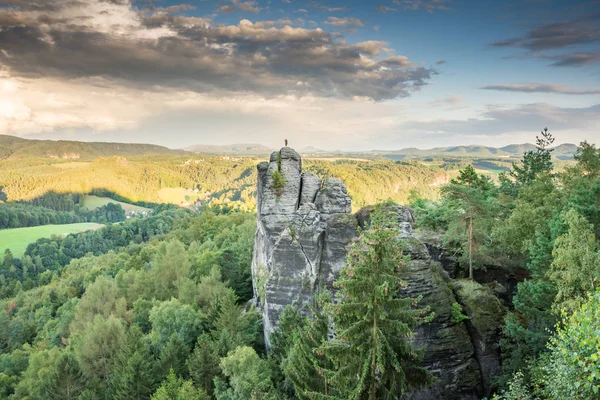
x: 536, y: 161
x: 134, y: 376
x: 174, y: 388
x: 67, y: 381
x: 473, y: 204
x: 588, y: 158
x: 174, y: 355
x: 371, y: 351
x: 282, y: 342
x: 203, y: 364
x: 306, y: 364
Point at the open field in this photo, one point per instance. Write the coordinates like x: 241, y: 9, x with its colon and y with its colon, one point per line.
x: 17, y: 239
x: 92, y: 202
x: 177, y: 196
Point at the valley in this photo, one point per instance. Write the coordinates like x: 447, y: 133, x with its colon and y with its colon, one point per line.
x: 161, y: 252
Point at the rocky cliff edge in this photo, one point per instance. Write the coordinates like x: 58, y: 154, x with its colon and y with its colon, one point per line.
x: 304, y: 227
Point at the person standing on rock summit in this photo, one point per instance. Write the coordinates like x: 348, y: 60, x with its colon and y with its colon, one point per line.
x: 285, y: 141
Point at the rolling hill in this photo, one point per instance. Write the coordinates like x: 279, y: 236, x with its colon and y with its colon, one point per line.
x: 14, y: 147
x: 237, y: 149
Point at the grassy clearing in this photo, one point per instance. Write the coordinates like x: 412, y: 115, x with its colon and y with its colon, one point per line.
x: 17, y: 239
x: 71, y: 165
x: 92, y: 202
x: 177, y: 196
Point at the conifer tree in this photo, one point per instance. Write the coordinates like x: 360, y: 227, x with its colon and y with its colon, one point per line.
x: 67, y: 382
x: 306, y: 364
x: 473, y: 204
x: 203, y: 364
x: 371, y: 352
x: 174, y: 388
x: 535, y: 161
x: 135, y: 375
x: 282, y: 342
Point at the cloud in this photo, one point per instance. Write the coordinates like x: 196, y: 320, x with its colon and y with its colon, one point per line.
x: 427, y: 5
x: 504, y: 120
x: 52, y: 108
x: 321, y: 7
x: 560, y: 35
x: 159, y: 49
x: 540, y: 88
x: 557, y: 35
x: 440, y: 62
x: 574, y: 59
x: 452, y: 102
x: 178, y: 8
x: 385, y: 9
x: 248, y: 6
x: 348, y: 22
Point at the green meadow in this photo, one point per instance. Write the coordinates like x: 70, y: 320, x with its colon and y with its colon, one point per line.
x: 92, y: 202
x: 17, y: 239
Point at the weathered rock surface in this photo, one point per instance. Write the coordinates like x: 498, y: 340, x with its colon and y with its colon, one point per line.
x: 485, y: 312
x: 302, y: 237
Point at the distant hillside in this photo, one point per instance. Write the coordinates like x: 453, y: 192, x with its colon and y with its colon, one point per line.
x: 565, y: 151
x: 14, y: 147
x: 238, y: 149
x: 310, y: 149
x: 518, y: 148
x: 480, y: 151
x: 562, y: 152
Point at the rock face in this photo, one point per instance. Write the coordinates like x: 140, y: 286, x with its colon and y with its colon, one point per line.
x: 291, y: 254
x: 303, y: 232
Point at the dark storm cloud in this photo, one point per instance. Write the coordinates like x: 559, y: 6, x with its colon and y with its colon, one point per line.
x: 560, y: 35
x: 161, y: 49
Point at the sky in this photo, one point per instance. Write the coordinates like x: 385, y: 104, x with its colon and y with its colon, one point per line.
x: 333, y: 74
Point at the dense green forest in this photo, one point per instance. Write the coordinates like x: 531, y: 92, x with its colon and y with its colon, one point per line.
x: 157, y: 307
x: 18, y: 148
x: 145, y: 308
x: 55, y: 208
x: 546, y: 224
x: 214, y: 180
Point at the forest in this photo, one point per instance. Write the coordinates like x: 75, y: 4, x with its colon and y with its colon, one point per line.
x: 158, y: 307
x: 54, y: 208
x: 213, y: 180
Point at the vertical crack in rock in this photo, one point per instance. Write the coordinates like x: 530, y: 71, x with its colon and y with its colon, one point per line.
x: 301, y: 242
x: 486, y: 314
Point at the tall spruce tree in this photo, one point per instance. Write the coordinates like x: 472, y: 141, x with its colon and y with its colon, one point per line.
x: 136, y: 374
x: 306, y: 364
x: 67, y: 382
x: 371, y: 352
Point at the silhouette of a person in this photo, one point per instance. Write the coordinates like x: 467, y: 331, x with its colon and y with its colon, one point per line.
x: 286, y: 142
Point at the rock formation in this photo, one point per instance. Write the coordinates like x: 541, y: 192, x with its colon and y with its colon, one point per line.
x: 304, y: 227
